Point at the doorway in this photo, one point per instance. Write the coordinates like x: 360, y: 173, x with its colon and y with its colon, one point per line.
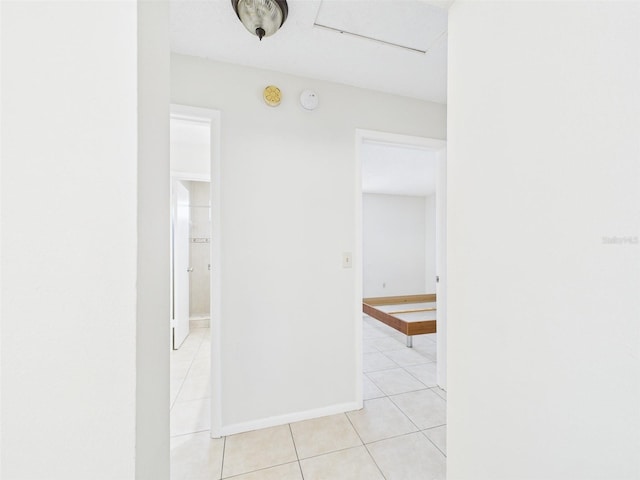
x: 194, y: 159
x: 387, y: 186
x: 190, y: 254
x: 180, y: 262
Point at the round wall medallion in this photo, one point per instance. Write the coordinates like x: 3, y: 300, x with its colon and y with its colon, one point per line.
x: 272, y: 96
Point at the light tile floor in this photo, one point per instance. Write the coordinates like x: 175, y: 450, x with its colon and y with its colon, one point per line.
x: 400, y: 434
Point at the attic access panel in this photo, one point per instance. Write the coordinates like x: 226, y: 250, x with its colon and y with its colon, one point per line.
x: 413, y: 25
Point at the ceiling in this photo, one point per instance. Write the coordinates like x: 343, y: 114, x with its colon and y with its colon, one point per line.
x: 398, y: 169
x: 393, y: 46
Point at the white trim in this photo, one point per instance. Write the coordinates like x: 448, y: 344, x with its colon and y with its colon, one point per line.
x: 375, y: 136
x: 194, y: 114
x: 289, y: 418
x: 216, y: 280
x: 359, y: 272
x: 213, y: 117
x: 189, y: 118
x: 194, y: 177
x: 441, y: 268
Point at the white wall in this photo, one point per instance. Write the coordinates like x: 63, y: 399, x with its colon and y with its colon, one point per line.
x: 190, y: 148
x: 79, y: 298
x: 393, y: 244
x: 153, y: 213
x: 430, y: 244
x: 288, y: 214
x: 543, y: 168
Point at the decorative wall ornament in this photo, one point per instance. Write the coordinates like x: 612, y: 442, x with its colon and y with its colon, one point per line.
x: 272, y: 95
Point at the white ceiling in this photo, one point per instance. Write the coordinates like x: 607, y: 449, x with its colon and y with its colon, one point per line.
x: 310, y: 44
x: 397, y: 169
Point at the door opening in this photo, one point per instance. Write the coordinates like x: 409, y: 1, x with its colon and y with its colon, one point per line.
x: 195, y: 366
x: 191, y: 262
x: 401, y: 222
x: 180, y: 262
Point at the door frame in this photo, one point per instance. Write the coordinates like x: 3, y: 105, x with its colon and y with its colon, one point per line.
x: 175, y: 205
x: 440, y: 147
x: 213, y: 117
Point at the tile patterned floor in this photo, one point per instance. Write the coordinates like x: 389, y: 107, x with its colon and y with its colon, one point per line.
x: 399, y: 435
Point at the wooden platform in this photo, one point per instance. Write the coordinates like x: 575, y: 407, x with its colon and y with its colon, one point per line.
x: 408, y: 314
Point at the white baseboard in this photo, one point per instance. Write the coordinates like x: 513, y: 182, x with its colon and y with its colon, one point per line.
x: 199, y: 322
x: 289, y: 418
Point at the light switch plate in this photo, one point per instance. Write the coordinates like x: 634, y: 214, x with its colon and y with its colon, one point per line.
x: 347, y: 260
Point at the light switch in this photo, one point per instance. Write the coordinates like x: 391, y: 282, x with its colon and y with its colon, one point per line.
x: 346, y: 260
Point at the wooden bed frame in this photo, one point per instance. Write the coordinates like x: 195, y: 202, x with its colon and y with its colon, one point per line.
x: 409, y: 328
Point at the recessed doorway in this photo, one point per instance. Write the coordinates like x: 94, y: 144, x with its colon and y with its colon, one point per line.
x: 402, y: 179
x: 195, y: 259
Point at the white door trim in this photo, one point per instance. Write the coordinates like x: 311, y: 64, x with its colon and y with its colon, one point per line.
x: 180, y: 262
x: 213, y: 118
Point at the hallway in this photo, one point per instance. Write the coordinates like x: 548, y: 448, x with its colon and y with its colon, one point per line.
x: 399, y: 435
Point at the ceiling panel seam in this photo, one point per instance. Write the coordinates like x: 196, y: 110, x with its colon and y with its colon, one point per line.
x: 365, y: 37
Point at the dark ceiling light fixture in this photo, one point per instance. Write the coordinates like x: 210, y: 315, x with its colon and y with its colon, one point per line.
x: 261, y: 17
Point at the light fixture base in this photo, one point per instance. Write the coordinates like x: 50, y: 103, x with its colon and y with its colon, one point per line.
x: 262, y: 18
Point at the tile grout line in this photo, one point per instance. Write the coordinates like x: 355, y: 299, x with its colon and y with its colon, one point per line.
x: 334, y: 451
x: 403, y: 367
x: 432, y: 386
x: 224, y: 450
x: 382, y: 369
x: 432, y: 442
x: 435, y: 389
x: 400, y: 393
x: 264, y: 468
x: 175, y: 401
x: 394, y: 437
x: 374, y: 461
x: 428, y: 360
x: 418, y: 430
x: 184, y: 379
x: 193, y: 359
x: 258, y: 470
x: 188, y: 433
x: 365, y: 446
x: 398, y: 407
x: 416, y: 350
x: 403, y: 412
x: 293, y: 439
